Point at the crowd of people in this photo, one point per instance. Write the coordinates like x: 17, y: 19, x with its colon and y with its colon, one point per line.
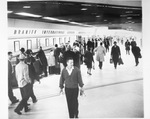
x: 65, y: 60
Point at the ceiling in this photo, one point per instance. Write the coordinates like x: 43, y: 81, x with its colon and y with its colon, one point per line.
x: 84, y: 12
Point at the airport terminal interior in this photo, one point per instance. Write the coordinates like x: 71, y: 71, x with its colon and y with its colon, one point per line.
x: 109, y: 91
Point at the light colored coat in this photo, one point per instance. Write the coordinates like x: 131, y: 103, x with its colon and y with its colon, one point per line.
x: 100, y: 53
x: 22, y: 74
x: 51, y: 59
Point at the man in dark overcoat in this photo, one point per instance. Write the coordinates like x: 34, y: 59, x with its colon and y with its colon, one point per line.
x: 43, y: 60
x: 115, y: 53
x: 11, y: 96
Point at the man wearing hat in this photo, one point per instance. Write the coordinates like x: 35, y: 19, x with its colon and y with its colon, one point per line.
x: 24, y: 83
x: 115, y: 53
x: 11, y: 96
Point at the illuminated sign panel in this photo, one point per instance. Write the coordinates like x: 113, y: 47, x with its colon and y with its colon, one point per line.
x: 28, y: 32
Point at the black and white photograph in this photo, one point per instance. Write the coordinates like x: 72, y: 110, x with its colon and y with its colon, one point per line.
x: 76, y: 59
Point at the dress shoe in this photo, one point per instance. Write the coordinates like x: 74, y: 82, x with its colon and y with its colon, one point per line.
x: 18, y: 112
x: 90, y: 74
x: 34, y: 101
x: 15, y: 101
x: 76, y: 116
x: 27, y: 109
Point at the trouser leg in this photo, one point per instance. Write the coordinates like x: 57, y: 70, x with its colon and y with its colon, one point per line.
x: 45, y: 70
x: 10, y: 93
x: 69, y: 97
x: 25, y: 93
x: 75, y: 102
x: 136, y: 60
x: 115, y: 64
x: 32, y: 95
x: 100, y: 65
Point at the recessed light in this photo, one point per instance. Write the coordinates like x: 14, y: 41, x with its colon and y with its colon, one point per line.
x: 27, y: 7
x: 129, y: 17
x: 98, y: 16
x: 84, y: 9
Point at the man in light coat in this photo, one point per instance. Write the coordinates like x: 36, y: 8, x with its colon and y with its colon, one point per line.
x: 24, y: 83
x: 100, y: 53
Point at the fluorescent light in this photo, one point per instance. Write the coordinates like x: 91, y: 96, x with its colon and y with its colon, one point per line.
x: 86, y: 5
x: 50, y: 18
x: 119, y: 7
x: 75, y: 23
x: 27, y: 7
x: 79, y: 24
x: 28, y: 14
x: 84, y: 9
x: 129, y: 17
x: 55, y: 19
x: 62, y: 20
x: 98, y: 16
x: 9, y: 12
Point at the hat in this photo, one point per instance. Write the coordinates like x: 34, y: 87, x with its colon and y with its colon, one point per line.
x: 22, y: 49
x: 28, y: 52
x: 115, y: 42
x: 21, y: 56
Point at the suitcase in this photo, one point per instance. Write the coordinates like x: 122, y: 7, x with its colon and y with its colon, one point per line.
x: 57, y: 69
x: 51, y: 69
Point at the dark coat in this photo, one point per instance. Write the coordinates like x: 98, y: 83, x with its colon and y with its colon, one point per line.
x: 9, y: 72
x: 89, y: 44
x: 42, y: 57
x: 88, y: 59
x: 115, y: 53
x: 77, y: 59
x: 32, y: 73
x: 127, y: 45
x: 136, y: 51
x: 56, y: 55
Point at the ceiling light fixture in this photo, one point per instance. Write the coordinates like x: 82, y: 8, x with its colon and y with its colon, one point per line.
x: 86, y: 4
x: 129, y: 17
x: 55, y: 19
x: 27, y: 14
x: 98, y: 16
x: 27, y: 7
x: 84, y: 9
x: 119, y: 7
x: 75, y: 23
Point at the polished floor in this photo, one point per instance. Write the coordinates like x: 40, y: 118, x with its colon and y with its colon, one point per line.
x: 109, y: 93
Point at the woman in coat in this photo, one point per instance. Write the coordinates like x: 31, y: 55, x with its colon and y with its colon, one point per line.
x: 115, y: 53
x: 136, y: 52
x: 51, y: 62
x: 42, y: 57
x: 88, y: 59
x: 100, y: 53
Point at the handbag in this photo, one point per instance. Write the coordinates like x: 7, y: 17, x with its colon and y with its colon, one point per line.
x: 111, y: 60
x: 85, y: 60
x: 120, y: 61
x: 140, y: 56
